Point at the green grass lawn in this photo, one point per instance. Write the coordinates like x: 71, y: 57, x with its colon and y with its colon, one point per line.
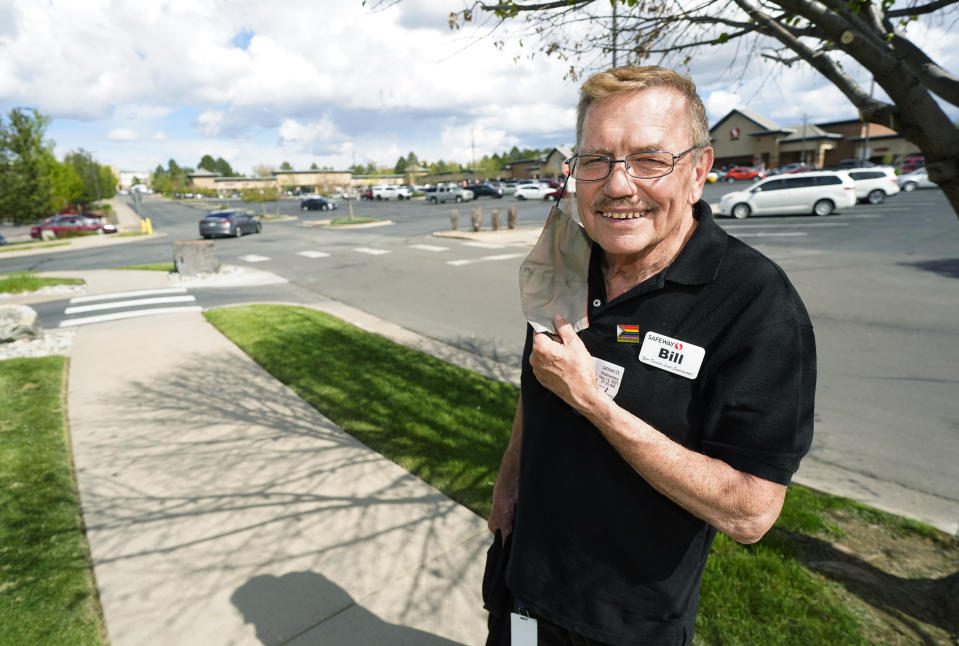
x: 341, y: 221
x: 47, y: 594
x: 160, y: 266
x: 20, y: 246
x: 450, y: 426
x: 26, y: 281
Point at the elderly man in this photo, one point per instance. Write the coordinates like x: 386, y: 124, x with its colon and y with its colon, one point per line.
x: 611, y: 491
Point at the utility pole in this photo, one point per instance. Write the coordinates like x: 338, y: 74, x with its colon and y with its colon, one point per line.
x: 864, y: 153
x: 473, y: 144
x: 614, y: 32
x: 802, y: 146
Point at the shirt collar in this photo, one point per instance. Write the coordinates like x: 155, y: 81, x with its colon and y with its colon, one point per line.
x: 698, y: 261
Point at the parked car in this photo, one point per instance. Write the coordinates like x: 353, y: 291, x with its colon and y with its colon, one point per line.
x: 366, y: 194
x: 66, y: 224
x: 795, y: 167
x: 556, y: 195
x: 715, y: 175
x: 317, y: 204
x: 509, y: 188
x: 391, y: 193
x: 916, y: 179
x: 818, y: 192
x: 229, y: 223
x: 2, y: 239
x: 533, y: 191
x: 910, y: 163
x: 486, y: 189
x: 439, y: 194
x: 743, y: 172
x: 848, y: 164
x: 874, y: 185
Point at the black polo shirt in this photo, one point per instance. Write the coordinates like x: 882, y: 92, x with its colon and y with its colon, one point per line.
x: 596, y: 549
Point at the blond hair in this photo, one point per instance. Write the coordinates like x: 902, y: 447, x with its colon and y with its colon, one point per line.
x: 622, y: 80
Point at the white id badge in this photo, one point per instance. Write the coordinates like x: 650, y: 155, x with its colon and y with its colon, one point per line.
x: 522, y: 630
x: 609, y: 376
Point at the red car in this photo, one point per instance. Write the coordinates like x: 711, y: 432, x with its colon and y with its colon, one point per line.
x: 910, y: 163
x: 58, y: 225
x: 743, y: 172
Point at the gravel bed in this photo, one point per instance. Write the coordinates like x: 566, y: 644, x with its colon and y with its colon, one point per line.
x: 60, y: 342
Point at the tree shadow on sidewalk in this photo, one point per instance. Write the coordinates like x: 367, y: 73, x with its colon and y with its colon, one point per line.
x: 208, y: 474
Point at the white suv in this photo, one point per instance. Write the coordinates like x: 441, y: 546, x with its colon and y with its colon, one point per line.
x: 874, y: 185
x: 817, y: 192
x: 391, y: 192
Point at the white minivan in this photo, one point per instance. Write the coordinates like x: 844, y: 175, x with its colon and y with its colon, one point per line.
x: 817, y: 192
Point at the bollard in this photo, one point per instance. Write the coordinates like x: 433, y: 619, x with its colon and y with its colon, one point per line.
x: 477, y: 217
x: 511, y: 214
x: 455, y: 219
x: 495, y: 219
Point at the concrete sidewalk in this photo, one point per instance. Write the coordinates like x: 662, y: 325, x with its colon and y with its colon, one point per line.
x: 222, y: 509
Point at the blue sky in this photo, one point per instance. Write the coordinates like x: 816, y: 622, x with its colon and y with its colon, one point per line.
x: 330, y: 83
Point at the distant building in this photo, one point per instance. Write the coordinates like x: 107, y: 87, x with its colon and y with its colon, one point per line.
x: 313, y: 180
x: 745, y: 138
x: 127, y: 178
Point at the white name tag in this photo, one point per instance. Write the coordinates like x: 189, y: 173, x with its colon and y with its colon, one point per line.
x: 609, y: 376
x: 522, y: 630
x: 678, y: 357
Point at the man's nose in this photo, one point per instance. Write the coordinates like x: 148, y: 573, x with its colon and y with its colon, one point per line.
x: 619, y: 182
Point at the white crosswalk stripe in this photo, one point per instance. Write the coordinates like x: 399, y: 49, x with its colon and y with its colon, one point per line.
x: 502, y: 256
x: 102, y: 318
x: 125, y: 305
x: 133, y: 294
x: 137, y: 302
x: 483, y: 245
x: 313, y: 254
x: 371, y: 251
x: 428, y: 247
x: 254, y: 258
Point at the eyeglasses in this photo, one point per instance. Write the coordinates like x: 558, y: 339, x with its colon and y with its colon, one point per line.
x: 648, y: 165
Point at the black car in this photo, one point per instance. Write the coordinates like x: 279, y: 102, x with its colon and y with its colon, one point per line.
x: 317, y: 204
x: 487, y: 189
x: 229, y: 223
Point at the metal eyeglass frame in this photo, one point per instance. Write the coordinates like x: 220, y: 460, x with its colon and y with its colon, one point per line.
x: 609, y: 168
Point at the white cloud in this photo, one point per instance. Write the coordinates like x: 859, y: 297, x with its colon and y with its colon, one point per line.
x: 337, y: 81
x: 122, y: 134
x: 210, y: 123
x: 312, y: 137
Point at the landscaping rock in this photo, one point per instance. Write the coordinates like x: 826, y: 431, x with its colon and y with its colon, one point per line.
x: 18, y: 322
x: 194, y: 257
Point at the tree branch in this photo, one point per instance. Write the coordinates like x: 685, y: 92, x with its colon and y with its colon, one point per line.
x: 932, y: 75
x: 511, y: 7
x: 923, y: 9
x: 870, y: 108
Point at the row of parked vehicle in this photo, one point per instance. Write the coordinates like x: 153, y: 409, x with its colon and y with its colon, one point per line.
x: 820, y: 192
x: 71, y: 224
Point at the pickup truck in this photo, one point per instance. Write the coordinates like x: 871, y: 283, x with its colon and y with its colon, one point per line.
x: 448, y: 194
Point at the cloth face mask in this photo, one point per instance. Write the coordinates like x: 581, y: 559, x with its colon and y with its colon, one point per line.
x: 553, y: 278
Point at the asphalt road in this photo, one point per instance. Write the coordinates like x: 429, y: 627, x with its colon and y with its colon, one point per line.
x: 880, y: 283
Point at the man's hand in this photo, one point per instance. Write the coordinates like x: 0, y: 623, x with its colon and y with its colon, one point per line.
x: 502, y: 514
x: 562, y: 364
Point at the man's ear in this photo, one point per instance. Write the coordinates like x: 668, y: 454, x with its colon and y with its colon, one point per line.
x: 698, y: 178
